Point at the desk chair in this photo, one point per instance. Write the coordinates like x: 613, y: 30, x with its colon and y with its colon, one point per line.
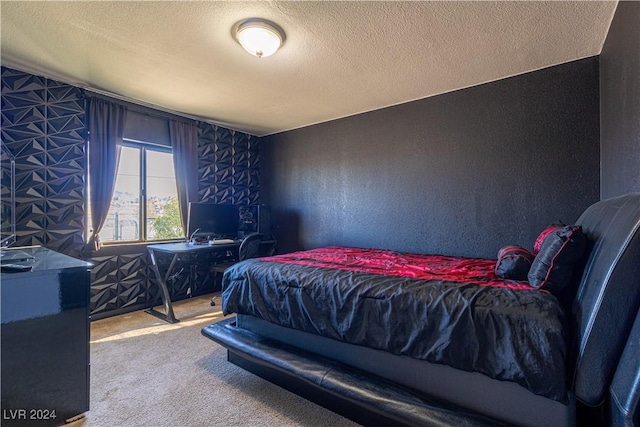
x: 249, y: 248
x: 268, y: 249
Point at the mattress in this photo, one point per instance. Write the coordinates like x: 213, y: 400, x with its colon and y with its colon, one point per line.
x: 446, y: 310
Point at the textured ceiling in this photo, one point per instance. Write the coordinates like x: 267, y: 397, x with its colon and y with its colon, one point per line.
x: 339, y: 58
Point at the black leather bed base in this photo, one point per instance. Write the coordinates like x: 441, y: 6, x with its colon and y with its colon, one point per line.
x: 362, y: 397
x: 476, y: 392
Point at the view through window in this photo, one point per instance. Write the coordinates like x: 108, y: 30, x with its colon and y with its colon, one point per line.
x: 144, y: 205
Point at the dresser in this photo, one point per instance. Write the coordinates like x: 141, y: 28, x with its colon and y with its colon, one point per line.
x: 45, y: 340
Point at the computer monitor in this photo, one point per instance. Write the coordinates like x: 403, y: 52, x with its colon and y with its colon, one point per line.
x: 210, y: 220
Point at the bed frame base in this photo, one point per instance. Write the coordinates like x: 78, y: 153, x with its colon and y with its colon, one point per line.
x: 361, y: 397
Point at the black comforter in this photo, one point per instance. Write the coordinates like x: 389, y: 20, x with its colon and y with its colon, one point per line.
x: 456, y: 313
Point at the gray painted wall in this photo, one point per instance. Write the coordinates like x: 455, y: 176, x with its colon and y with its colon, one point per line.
x: 620, y: 103
x: 462, y: 173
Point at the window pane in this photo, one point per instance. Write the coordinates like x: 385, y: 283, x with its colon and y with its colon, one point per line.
x: 163, y: 215
x: 123, y: 219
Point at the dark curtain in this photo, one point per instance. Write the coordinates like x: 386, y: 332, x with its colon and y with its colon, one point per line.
x: 184, y: 140
x: 106, y: 127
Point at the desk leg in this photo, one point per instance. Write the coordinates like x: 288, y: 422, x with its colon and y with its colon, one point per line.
x: 168, y: 315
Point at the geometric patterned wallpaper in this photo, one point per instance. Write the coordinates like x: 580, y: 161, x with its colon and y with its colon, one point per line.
x: 119, y: 281
x: 44, y: 126
x: 228, y: 166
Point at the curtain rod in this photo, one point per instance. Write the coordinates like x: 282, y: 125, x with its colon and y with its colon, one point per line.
x: 140, y: 107
x: 151, y: 109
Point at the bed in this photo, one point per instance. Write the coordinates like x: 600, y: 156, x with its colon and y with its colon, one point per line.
x: 407, y: 339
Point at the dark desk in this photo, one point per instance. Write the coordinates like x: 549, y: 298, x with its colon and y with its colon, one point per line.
x: 179, y: 251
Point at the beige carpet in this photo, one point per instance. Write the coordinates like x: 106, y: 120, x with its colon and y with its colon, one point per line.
x: 146, y: 372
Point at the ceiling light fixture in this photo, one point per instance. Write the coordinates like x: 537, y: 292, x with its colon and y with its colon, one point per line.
x: 258, y: 36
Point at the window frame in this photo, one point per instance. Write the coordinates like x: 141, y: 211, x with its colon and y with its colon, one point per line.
x: 143, y: 147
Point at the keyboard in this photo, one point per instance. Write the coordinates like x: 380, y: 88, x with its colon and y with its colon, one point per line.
x: 221, y: 241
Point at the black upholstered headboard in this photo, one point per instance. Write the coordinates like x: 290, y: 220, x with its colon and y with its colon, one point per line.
x: 608, y: 295
x: 624, y: 404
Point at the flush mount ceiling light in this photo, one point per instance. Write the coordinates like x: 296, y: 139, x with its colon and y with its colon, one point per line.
x: 258, y: 36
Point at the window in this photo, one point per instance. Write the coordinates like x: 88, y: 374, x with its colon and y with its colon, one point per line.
x: 144, y: 205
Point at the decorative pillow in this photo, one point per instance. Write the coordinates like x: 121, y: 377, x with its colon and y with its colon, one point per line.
x: 513, y: 263
x: 550, y: 229
x: 560, y: 250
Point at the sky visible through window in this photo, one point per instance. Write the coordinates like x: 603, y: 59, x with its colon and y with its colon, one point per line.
x: 161, y: 178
